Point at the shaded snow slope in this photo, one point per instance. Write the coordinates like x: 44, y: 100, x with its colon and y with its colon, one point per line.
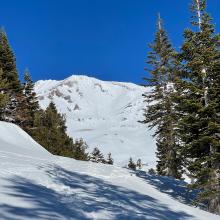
x: 105, y: 114
x: 15, y: 140
x: 59, y: 188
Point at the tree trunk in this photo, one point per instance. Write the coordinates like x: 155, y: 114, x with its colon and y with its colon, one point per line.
x: 214, y: 202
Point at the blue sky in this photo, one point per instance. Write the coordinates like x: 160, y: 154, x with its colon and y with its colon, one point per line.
x: 106, y: 39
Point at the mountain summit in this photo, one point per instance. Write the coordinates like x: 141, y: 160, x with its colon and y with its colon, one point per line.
x: 105, y: 114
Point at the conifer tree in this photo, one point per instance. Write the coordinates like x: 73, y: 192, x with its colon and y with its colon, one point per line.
x: 80, y: 150
x: 50, y: 132
x: 8, y: 63
x: 139, y: 164
x: 3, y: 95
x: 109, y: 159
x: 96, y: 156
x: 29, y: 104
x: 151, y: 171
x: 199, y: 124
x: 8, y: 66
x: 160, y: 111
x: 131, y: 164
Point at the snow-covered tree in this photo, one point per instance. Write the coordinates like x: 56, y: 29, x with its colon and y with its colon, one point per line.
x: 109, y: 159
x: 96, y: 156
x: 139, y: 164
x: 131, y: 164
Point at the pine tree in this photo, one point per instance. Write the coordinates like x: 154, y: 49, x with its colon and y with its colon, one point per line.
x: 8, y: 63
x: 29, y: 104
x: 131, y: 164
x: 10, y: 75
x: 50, y: 132
x: 80, y: 150
x: 3, y: 95
x: 96, y: 156
x: 199, y: 124
x: 151, y: 171
x: 139, y: 164
x: 160, y: 111
x: 109, y: 159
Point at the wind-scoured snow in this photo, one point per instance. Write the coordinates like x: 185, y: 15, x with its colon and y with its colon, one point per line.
x: 36, y: 185
x: 104, y: 114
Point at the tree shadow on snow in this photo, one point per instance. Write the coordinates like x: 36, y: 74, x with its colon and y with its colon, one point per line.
x: 177, y: 189
x: 78, y: 197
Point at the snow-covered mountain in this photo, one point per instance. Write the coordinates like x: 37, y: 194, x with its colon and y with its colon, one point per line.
x: 39, y: 186
x: 105, y: 114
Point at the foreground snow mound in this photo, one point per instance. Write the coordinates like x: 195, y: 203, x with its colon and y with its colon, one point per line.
x: 105, y: 114
x: 14, y: 140
x: 59, y: 188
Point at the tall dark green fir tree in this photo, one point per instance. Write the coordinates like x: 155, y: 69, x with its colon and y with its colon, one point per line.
x: 50, y: 131
x: 29, y: 105
x: 160, y: 112
x: 199, y: 124
x: 80, y: 148
x: 3, y: 95
x: 10, y: 75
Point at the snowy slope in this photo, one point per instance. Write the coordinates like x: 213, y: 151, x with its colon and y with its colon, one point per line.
x: 105, y: 114
x: 56, y: 188
x: 15, y: 140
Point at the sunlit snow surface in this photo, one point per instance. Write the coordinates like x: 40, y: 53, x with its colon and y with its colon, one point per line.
x: 35, y: 185
x: 105, y: 114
